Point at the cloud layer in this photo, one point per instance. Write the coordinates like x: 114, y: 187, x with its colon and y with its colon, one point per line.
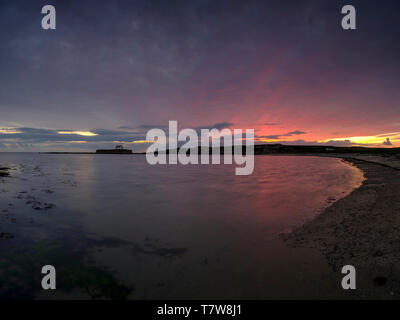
x: 118, y: 68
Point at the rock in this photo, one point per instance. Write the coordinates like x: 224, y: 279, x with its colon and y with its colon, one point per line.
x: 378, y: 253
x: 6, y: 235
x: 380, y: 281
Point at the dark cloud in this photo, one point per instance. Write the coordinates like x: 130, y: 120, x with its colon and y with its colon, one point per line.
x: 219, y: 126
x: 152, y: 126
x: 278, y: 136
x: 295, y: 133
x: 333, y: 143
x: 37, y: 135
x: 108, y: 132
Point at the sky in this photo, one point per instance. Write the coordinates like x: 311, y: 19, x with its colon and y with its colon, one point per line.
x: 112, y: 70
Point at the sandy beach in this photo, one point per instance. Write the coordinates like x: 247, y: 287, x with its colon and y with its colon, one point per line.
x: 362, y: 230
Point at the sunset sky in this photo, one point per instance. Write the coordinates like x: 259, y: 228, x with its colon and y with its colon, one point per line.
x: 114, y: 69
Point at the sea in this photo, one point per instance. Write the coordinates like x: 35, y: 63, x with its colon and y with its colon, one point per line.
x: 115, y: 227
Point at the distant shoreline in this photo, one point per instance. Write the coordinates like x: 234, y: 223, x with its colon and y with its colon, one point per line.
x: 279, y: 149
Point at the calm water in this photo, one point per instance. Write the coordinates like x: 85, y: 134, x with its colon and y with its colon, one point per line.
x: 116, y: 227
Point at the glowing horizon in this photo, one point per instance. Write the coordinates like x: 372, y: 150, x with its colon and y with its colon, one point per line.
x: 79, y: 133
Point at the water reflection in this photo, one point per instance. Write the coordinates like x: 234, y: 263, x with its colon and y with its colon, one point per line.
x: 165, y: 231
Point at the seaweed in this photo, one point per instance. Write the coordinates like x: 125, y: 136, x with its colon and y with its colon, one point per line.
x: 20, y: 274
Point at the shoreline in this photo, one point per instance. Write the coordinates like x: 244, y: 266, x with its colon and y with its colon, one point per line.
x: 361, y: 229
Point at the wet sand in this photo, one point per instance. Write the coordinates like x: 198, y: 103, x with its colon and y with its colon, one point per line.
x: 4, y: 235
x: 362, y: 229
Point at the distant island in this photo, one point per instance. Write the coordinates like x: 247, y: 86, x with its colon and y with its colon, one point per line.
x: 277, y: 149
x: 312, y: 149
x: 268, y: 149
x: 118, y: 150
